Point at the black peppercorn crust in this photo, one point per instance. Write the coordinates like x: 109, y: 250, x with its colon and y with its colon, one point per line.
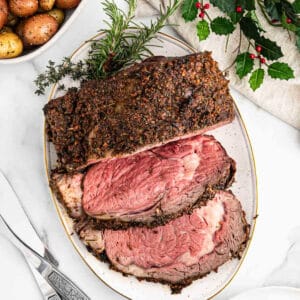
x: 146, y: 105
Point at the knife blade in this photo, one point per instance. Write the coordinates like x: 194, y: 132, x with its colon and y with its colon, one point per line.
x: 12, y: 210
x: 15, y: 220
x: 56, y: 279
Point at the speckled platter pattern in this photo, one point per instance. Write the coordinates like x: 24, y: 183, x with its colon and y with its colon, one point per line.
x: 235, y: 140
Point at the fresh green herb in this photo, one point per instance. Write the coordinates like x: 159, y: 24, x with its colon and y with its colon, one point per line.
x: 241, y: 15
x: 54, y: 73
x: 125, y: 42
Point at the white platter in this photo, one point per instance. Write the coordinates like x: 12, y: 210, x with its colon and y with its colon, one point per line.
x: 235, y: 140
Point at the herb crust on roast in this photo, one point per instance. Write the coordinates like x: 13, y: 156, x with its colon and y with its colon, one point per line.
x: 141, y: 107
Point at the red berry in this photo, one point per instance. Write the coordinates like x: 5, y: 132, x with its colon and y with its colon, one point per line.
x: 288, y: 20
x: 262, y: 60
x: 239, y: 9
x: 206, y: 6
x: 201, y: 15
x: 252, y: 56
x: 274, y: 21
x: 198, y: 5
x: 258, y: 48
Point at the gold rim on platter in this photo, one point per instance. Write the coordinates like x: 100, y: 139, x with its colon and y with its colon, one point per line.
x: 54, y: 200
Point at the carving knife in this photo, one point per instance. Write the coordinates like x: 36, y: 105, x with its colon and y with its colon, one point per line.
x: 15, y: 221
x: 12, y: 210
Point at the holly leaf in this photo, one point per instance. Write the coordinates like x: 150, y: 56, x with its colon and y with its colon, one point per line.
x: 224, y: 5
x: 288, y: 26
x: 279, y: 70
x: 247, y: 5
x: 249, y: 28
x: 272, y: 9
x: 203, y: 30
x: 222, y: 26
x: 296, y: 6
x: 235, y: 17
x: 252, y: 15
x: 270, y: 49
x: 250, y: 5
x: 243, y: 64
x: 256, y: 79
x: 189, y: 10
x: 298, y: 41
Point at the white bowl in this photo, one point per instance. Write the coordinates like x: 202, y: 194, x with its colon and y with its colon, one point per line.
x: 71, y: 15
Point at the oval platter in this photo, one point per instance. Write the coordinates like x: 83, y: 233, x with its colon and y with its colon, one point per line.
x: 235, y: 140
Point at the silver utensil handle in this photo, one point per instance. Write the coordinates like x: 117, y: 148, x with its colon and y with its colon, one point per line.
x: 54, y: 297
x: 46, y: 289
x: 65, y: 287
x: 59, y: 282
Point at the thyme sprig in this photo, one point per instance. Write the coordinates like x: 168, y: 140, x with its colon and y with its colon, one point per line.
x: 125, y: 42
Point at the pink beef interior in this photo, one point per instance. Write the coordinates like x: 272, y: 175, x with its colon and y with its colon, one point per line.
x: 183, y: 240
x: 166, y: 177
x: 184, y: 249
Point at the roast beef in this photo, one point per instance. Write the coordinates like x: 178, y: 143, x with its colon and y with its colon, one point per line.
x: 68, y: 190
x: 151, y: 187
x: 179, y: 252
x: 144, y: 106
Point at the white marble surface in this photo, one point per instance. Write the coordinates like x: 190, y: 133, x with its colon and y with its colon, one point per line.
x: 274, y: 256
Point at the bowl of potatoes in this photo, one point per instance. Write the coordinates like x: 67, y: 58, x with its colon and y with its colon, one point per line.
x: 29, y: 27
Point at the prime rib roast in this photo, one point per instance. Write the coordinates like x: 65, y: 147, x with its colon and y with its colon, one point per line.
x: 151, y: 187
x: 179, y: 252
x: 143, y: 183
x: 144, y: 106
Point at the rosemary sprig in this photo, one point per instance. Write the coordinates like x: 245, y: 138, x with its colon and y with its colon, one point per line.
x: 138, y: 47
x: 106, y: 50
x: 124, y: 43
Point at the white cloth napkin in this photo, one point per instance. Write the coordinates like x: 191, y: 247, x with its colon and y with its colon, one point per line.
x: 279, y: 97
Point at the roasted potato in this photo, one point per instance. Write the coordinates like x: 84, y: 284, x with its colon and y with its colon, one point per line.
x: 10, y: 45
x: 19, y: 31
x: 12, y: 20
x: 66, y: 4
x: 23, y: 8
x: 46, y: 4
x: 57, y: 14
x: 39, y: 29
x: 3, y: 13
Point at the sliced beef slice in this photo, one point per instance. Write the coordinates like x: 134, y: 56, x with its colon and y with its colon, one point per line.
x: 69, y: 191
x: 179, y: 252
x: 151, y: 187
